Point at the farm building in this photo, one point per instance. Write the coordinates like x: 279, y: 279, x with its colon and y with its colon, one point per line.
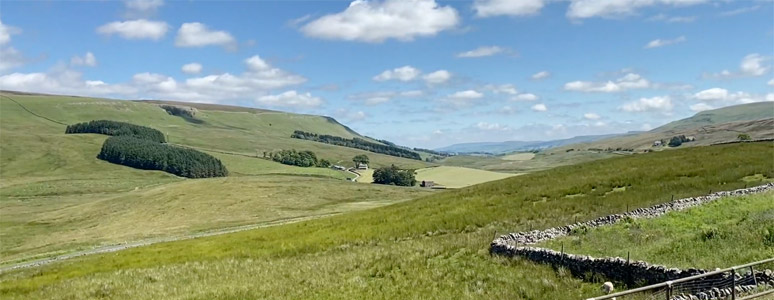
x: 427, y: 184
x: 362, y: 166
x: 337, y: 167
x: 657, y: 143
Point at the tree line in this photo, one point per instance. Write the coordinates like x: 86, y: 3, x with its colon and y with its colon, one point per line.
x: 149, y: 155
x: 304, y: 158
x: 433, y: 152
x: 357, y: 143
x: 116, y: 128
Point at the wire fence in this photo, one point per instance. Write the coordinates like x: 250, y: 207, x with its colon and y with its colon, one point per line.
x: 750, y: 281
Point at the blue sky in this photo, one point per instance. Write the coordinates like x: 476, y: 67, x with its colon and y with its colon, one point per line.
x: 420, y: 73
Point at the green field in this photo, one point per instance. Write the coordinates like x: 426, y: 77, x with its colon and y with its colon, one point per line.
x: 731, y: 231
x: 57, y: 197
x: 540, y: 161
x: 434, y: 247
x: 519, y: 156
x: 457, y: 177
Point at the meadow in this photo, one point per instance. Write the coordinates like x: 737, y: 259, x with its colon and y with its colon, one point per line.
x: 730, y: 231
x: 457, y: 177
x: 434, y: 247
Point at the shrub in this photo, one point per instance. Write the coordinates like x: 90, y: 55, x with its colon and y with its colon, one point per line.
x: 148, y: 155
x: 393, y: 176
x: 115, y: 128
x: 744, y: 137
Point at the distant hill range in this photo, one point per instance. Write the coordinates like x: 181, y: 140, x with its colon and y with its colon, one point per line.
x: 707, y: 127
x: 515, y: 146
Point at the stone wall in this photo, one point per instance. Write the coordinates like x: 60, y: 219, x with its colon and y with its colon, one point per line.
x: 616, y: 268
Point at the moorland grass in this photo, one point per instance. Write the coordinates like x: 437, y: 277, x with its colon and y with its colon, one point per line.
x: 730, y: 231
x: 457, y: 177
x: 434, y: 247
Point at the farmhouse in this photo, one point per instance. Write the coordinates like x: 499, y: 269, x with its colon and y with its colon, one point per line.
x: 362, y: 166
x: 657, y: 143
x: 427, y: 184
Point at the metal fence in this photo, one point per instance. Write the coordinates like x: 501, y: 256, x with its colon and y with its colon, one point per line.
x: 749, y: 281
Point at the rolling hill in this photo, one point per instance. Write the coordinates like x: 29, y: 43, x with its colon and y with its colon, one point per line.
x: 514, y: 146
x: 735, y: 113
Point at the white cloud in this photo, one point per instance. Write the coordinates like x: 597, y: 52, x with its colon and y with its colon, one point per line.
x: 10, y: 58
x: 350, y: 116
x: 492, y: 126
x: 771, y: 82
x: 720, y: 96
x: 481, y: 52
x: 199, y: 35
x: 467, y: 94
x: 539, y: 107
x: 509, y: 89
x: 192, y: 68
x: 377, y: 21
x: 661, y: 43
x: 541, y: 75
x: 374, y: 98
x: 580, y: 9
x: 6, y: 32
x: 463, y: 98
x: 142, y: 7
x: 751, y: 65
x: 413, y: 93
x: 658, y: 104
x: 672, y: 19
x: 436, y: 77
x: 405, y: 73
x: 87, y: 60
x: 700, y: 107
x: 492, y: 8
x: 290, y: 99
x: 627, y: 82
x: 739, y: 11
x: 525, y: 97
x: 135, y: 29
x: 212, y: 89
x: 591, y: 116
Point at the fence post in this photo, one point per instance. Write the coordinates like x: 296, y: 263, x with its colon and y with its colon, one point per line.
x: 752, y: 273
x: 733, y: 284
x: 669, y: 290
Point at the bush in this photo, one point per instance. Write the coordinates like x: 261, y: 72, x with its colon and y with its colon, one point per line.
x: 299, y: 158
x: 393, y: 176
x: 148, y: 155
x: 744, y: 137
x: 115, y: 128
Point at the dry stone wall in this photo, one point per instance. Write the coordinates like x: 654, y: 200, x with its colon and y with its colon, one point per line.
x: 616, y: 268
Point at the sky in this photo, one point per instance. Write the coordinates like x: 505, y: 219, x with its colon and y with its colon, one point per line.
x: 420, y: 73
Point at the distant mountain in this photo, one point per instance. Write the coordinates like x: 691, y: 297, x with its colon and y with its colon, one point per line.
x: 736, y: 113
x: 513, y: 146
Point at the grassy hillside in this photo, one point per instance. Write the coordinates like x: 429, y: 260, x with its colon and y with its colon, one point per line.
x: 56, y: 196
x: 730, y: 231
x: 525, y: 163
x: 434, y: 247
x: 736, y: 113
x: 457, y: 177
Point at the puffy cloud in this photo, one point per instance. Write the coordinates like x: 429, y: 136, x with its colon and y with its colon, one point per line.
x: 720, y: 96
x: 199, y: 35
x: 405, y: 73
x: 192, y: 68
x: 482, y: 51
x: 467, y: 94
x: 10, y: 58
x: 539, y: 107
x: 661, y: 43
x: 580, y: 9
x: 492, y: 126
x: 213, y: 88
x: 87, y: 60
x: 290, y: 99
x: 591, y: 116
x: 492, y: 8
x: 657, y: 104
x: 751, y: 65
x: 436, y: 77
x: 6, y: 32
x: 541, y: 75
x: 135, y: 29
x: 525, y: 97
x: 463, y: 98
x: 377, y: 21
x: 509, y: 89
x: 627, y: 82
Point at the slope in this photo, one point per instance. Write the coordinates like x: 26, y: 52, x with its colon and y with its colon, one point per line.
x: 735, y: 113
x: 434, y: 247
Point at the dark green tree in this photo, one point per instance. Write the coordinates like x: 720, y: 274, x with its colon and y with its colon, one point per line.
x: 392, y: 175
x: 360, y: 159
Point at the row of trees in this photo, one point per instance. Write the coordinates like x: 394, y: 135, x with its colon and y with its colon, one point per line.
x: 116, y: 128
x: 394, y: 176
x: 357, y: 143
x: 304, y: 158
x: 433, y: 152
x: 676, y: 141
x: 149, y: 155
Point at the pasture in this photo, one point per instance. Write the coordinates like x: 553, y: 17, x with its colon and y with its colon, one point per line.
x: 457, y: 177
